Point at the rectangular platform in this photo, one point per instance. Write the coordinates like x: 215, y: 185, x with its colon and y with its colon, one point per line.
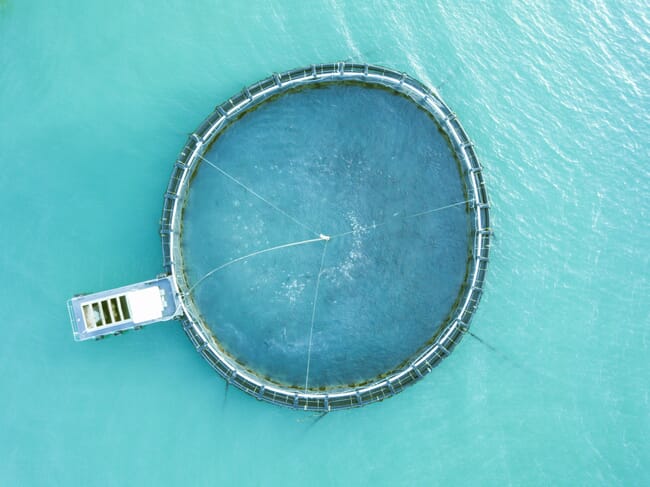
x: 124, y: 308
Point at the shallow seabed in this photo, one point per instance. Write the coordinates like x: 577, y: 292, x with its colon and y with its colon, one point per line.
x: 97, y: 99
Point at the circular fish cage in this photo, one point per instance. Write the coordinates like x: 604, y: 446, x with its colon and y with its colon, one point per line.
x: 327, y: 231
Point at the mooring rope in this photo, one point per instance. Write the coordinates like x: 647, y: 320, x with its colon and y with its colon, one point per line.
x: 398, y: 218
x: 253, y: 254
x: 313, y: 313
x: 257, y: 195
x: 422, y: 213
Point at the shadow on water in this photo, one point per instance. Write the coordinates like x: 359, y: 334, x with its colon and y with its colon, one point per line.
x: 496, y: 351
x: 313, y: 419
x: 516, y: 363
x: 225, y: 396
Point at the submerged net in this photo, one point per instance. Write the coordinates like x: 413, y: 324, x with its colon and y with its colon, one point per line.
x: 326, y: 236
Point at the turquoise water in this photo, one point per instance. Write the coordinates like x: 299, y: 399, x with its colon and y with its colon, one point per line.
x: 366, y: 167
x: 95, y: 103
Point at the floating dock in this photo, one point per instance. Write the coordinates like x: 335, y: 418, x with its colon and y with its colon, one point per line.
x: 117, y: 310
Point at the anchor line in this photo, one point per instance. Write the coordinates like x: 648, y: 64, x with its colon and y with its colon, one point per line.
x: 391, y: 220
x: 486, y: 344
x: 422, y: 213
x: 257, y: 195
x: 313, y: 314
x: 253, y: 254
x: 501, y: 354
x: 513, y: 361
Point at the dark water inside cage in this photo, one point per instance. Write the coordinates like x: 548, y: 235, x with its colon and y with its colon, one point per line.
x: 335, y: 160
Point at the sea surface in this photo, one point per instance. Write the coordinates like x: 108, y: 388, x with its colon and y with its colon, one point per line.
x: 97, y: 99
